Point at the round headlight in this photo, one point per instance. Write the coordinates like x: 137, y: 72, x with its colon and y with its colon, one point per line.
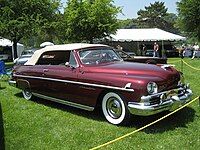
x: 152, y: 87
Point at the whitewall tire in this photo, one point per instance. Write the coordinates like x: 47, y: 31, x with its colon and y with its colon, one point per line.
x: 114, y: 109
x: 27, y: 94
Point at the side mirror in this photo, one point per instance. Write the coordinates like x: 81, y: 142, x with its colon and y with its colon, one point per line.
x: 67, y: 64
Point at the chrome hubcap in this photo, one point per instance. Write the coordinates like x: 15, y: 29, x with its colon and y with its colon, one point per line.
x: 28, y: 94
x: 114, y: 107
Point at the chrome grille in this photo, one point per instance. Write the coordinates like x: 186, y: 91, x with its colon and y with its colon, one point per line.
x: 154, y: 100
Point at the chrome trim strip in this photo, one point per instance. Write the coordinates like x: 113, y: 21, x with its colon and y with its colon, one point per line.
x: 12, y: 83
x: 64, y: 102
x: 173, y: 102
x: 148, y: 97
x: 75, y: 82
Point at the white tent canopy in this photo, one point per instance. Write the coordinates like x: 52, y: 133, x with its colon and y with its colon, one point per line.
x: 6, y: 42
x: 149, y: 34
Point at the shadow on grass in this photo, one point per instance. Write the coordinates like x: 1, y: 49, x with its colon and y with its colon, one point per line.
x: 178, y: 119
x: 1, y: 88
x: 2, y: 141
x: 94, y: 115
x: 2, y: 85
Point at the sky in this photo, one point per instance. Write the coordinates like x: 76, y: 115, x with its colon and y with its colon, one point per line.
x: 131, y: 7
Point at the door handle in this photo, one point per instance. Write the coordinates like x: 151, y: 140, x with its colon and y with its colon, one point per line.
x: 82, y: 72
x: 45, y: 70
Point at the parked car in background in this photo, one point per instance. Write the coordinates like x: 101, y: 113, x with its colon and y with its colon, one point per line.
x: 141, y: 59
x: 171, y: 50
x: 4, y: 57
x: 172, y: 53
x: 90, y: 75
x: 188, y: 52
x: 25, y: 56
x: 131, y: 53
x: 149, y: 52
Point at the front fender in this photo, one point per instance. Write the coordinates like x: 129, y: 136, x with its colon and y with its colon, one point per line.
x: 23, y: 84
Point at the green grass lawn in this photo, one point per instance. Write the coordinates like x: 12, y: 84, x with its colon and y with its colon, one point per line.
x: 39, y: 124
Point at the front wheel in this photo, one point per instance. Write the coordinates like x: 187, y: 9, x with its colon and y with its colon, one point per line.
x: 114, y: 109
x: 27, y: 94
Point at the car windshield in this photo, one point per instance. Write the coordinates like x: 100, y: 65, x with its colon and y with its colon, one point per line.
x: 27, y: 52
x: 25, y: 56
x: 98, y: 56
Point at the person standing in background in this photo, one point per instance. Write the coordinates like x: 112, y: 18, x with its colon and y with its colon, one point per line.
x: 156, y: 50
x: 196, y: 49
x: 182, y: 51
x: 144, y: 49
x: 119, y: 47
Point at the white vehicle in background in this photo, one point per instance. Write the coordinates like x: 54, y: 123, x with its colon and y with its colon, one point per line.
x: 4, y: 56
x: 25, y: 56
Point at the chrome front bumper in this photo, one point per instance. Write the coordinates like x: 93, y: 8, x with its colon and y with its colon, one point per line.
x: 12, y: 83
x: 159, y: 102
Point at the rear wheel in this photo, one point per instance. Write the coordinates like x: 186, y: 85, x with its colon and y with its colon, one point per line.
x: 114, y: 109
x: 27, y: 94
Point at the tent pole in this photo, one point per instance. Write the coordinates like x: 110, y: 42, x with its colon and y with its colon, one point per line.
x: 162, y: 52
x: 138, y: 48
x: 13, y: 58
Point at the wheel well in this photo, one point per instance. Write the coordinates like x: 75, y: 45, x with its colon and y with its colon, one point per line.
x: 101, y: 95
x: 23, y: 84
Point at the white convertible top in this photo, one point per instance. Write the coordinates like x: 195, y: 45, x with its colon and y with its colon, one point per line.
x: 64, y: 47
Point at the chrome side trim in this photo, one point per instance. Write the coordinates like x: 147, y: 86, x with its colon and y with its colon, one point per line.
x: 64, y: 102
x: 128, y: 86
x: 75, y: 82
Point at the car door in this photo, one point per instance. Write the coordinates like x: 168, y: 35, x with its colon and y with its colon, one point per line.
x: 61, y: 82
x: 61, y: 77
x: 36, y: 78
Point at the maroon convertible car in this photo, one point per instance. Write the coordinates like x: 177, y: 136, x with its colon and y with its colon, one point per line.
x: 86, y: 75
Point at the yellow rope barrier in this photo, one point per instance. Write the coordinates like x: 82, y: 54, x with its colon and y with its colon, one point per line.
x: 191, y: 66
x: 135, y: 131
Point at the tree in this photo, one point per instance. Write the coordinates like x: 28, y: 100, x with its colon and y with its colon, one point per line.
x: 24, y: 18
x: 189, y: 18
x: 171, y: 20
x: 128, y: 24
x: 52, y: 30
x: 90, y: 19
x: 156, y: 16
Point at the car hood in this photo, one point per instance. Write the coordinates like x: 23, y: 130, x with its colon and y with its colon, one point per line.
x: 136, y: 69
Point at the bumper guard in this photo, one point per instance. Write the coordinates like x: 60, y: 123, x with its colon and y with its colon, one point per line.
x: 167, y: 100
x: 12, y: 83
